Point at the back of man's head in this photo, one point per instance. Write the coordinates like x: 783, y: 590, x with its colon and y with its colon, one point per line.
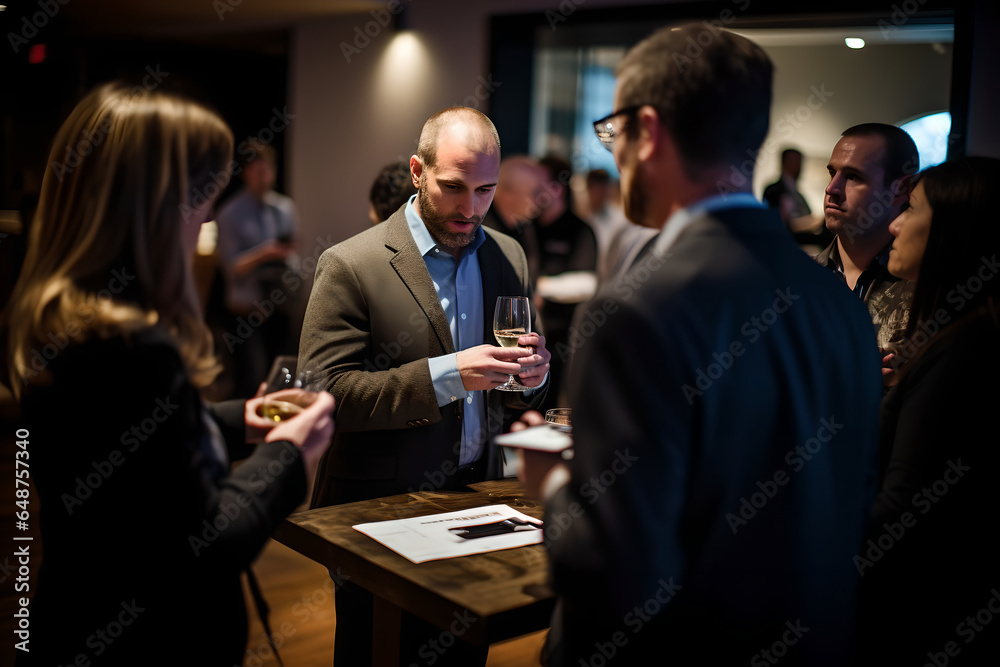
x: 901, y: 157
x: 710, y: 87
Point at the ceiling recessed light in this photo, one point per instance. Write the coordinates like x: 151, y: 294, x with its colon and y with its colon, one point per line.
x: 854, y: 42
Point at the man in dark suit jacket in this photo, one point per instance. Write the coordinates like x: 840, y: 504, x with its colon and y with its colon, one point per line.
x: 723, y: 471
x: 399, y: 328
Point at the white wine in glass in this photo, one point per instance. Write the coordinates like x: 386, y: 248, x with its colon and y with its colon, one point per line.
x: 508, y: 337
x: 279, y: 411
x: 288, y: 391
x: 511, y: 320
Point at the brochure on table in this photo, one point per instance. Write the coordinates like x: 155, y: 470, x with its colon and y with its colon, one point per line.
x: 438, y: 536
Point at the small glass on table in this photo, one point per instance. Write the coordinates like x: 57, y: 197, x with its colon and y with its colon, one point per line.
x: 560, y: 419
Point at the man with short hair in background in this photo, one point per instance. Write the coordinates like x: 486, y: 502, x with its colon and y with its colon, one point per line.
x: 567, y: 268
x: 807, y: 229
x: 869, y: 171
x: 517, y: 203
x: 256, y: 247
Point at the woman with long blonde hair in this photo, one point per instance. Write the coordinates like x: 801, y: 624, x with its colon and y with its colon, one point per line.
x: 145, y: 523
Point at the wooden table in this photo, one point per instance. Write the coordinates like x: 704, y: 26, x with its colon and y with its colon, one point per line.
x: 502, y: 593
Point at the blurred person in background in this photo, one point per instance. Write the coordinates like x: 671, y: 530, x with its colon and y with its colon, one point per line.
x: 567, y: 268
x: 145, y: 522
x: 619, y: 240
x: 391, y: 189
x: 257, y: 231
x: 807, y: 229
x: 516, y: 204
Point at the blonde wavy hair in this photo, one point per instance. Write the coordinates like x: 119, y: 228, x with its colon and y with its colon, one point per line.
x: 106, y: 255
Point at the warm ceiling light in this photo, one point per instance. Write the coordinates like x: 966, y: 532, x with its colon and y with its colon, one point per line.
x: 854, y: 42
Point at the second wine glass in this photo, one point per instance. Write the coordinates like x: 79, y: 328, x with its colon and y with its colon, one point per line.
x: 288, y: 390
x: 511, y: 320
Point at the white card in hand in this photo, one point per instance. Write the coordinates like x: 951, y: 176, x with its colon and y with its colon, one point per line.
x: 543, y: 438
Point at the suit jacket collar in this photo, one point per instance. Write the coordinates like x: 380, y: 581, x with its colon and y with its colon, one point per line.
x: 493, y: 268
x: 739, y: 222
x: 683, y: 218
x: 409, y: 265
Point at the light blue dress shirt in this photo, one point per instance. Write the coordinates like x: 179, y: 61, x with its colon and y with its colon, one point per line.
x: 459, y: 286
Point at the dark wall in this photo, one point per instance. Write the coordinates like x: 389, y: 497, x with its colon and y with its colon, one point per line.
x: 244, y: 80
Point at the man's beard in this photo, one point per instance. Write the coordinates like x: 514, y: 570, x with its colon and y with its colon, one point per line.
x: 634, y: 200
x: 435, y: 221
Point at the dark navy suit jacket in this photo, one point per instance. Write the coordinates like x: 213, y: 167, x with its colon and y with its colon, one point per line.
x: 725, y: 426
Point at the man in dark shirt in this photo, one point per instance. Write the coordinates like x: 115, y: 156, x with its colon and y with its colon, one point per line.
x: 516, y: 204
x: 565, y: 244
x: 785, y: 187
x: 869, y: 171
x: 808, y: 230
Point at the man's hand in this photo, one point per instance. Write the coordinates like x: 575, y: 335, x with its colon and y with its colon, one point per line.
x: 487, y: 366
x: 538, y: 470
x: 535, y: 365
x: 889, y: 374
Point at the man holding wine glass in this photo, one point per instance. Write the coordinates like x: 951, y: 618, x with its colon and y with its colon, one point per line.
x: 400, y: 327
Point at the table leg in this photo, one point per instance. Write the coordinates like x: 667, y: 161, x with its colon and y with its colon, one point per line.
x: 387, y: 618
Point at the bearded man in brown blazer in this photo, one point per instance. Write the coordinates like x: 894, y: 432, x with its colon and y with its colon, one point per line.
x: 413, y: 410
x: 397, y: 328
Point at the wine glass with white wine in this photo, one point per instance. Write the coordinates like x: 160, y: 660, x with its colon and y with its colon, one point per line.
x: 511, y: 320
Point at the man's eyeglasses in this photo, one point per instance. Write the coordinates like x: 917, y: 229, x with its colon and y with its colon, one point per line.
x: 614, y: 123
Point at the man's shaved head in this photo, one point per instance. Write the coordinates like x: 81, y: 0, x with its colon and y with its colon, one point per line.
x: 478, y: 132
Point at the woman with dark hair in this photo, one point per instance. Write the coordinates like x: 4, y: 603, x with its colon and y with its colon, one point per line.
x: 930, y: 569
x: 145, y: 524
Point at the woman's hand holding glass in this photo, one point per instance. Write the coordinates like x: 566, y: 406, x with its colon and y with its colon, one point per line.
x: 285, y: 394
x: 291, y: 406
x: 311, y: 430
